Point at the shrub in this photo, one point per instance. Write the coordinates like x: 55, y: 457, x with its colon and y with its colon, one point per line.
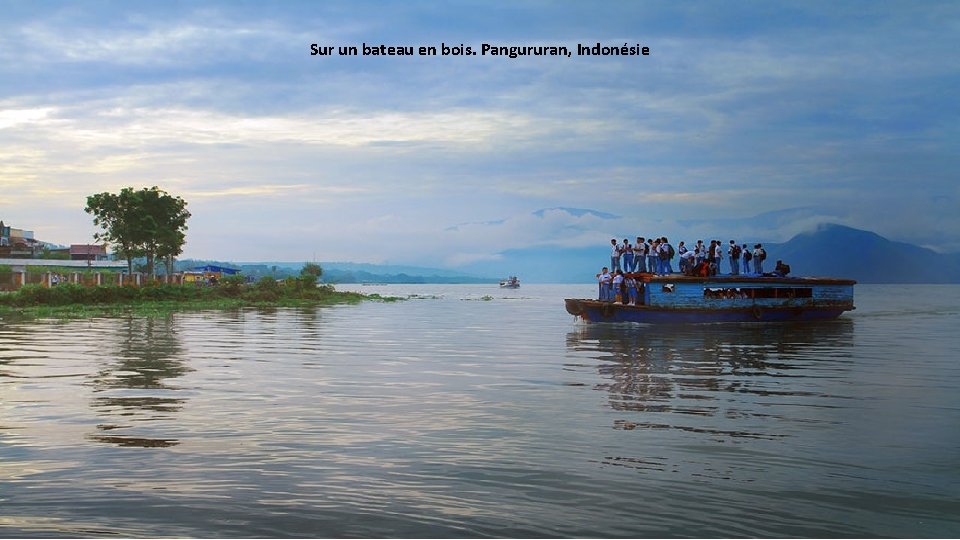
x: 232, y: 286
x: 267, y: 283
x: 69, y: 293
x: 262, y: 295
x: 159, y: 292
x: 32, y: 295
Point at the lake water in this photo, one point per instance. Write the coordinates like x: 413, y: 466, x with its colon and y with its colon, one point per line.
x: 474, y: 411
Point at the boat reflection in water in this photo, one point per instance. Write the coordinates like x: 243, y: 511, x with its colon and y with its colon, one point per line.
x: 725, y: 380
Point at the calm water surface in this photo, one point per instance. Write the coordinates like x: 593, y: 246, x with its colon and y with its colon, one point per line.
x: 472, y: 411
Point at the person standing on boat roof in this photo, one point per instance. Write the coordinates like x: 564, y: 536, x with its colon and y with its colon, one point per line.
x: 758, y: 256
x: 640, y: 255
x: 734, y: 253
x: 711, y: 259
x: 681, y: 260
x: 666, y: 249
x: 604, y: 279
x: 657, y: 257
x: 747, y: 257
x: 653, y: 258
x: 688, y: 263
x: 627, y: 256
x: 614, y: 255
x: 718, y: 254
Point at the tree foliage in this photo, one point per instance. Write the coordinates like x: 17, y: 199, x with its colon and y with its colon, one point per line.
x: 146, y: 223
x: 311, y: 269
x: 310, y: 273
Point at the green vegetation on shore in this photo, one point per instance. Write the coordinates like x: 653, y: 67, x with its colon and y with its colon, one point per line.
x: 76, y: 301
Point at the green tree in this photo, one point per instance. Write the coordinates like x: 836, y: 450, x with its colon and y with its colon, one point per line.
x: 310, y: 273
x: 311, y: 269
x: 148, y: 222
x: 115, y: 213
x: 163, y: 221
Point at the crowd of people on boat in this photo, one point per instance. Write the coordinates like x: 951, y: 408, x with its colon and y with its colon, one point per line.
x: 656, y: 255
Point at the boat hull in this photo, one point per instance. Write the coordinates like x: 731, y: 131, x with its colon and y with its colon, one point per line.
x: 597, y: 311
x: 685, y: 299
x: 510, y: 283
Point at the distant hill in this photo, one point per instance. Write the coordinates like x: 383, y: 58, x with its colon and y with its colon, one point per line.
x: 546, y: 264
x: 346, y: 272
x: 829, y: 250
x: 838, y: 251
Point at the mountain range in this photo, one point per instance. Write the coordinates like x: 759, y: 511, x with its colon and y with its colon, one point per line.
x: 836, y: 250
x: 345, y: 272
x: 829, y: 250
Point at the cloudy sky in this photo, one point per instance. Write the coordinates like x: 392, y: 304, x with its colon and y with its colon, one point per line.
x: 796, y: 112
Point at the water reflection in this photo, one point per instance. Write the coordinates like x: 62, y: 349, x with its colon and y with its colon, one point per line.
x: 133, y: 387
x: 729, y: 373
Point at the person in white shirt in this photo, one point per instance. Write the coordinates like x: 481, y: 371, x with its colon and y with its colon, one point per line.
x: 758, y: 255
x: 682, y: 256
x: 631, y: 283
x: 665, y: 259
x: 688, y: 262
x: 717, y: 254
x: 640, y: 255
x: 627, y: 250
x: 653, y: 257
x: 616, y: 295
x: 615, y: 250
x: 604, y: 279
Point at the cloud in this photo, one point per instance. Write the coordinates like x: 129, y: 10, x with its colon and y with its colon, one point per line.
x: 484, y: 241
x: 740, y: 111
x: 13, y: 117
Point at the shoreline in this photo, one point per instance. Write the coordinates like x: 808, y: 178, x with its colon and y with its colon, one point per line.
x: 72, y: 302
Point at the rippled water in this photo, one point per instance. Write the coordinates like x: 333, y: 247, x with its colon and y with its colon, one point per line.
x: 472, y: 411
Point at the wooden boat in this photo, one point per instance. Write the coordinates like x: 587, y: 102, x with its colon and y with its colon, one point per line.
x: 510, y: 283
x: 747, y: 298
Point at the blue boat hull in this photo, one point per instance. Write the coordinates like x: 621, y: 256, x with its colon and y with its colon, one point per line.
x: 597, y: 311
x: 686, y: 299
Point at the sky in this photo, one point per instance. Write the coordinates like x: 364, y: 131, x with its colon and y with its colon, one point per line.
x: 748, y: 120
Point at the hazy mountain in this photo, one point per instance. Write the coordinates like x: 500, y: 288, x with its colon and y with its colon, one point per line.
x: 838, y: 251
x: 346, y: 272
x: 577, y: 212
x: 829, y: 250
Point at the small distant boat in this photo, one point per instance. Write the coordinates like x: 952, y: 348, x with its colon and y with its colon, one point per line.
x: 684, y: 299
x: 510, y: 283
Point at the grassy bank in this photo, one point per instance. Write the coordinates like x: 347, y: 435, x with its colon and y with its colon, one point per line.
x: 76, y: 301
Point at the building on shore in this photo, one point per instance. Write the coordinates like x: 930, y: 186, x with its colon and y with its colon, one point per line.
x: 20, y: 265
